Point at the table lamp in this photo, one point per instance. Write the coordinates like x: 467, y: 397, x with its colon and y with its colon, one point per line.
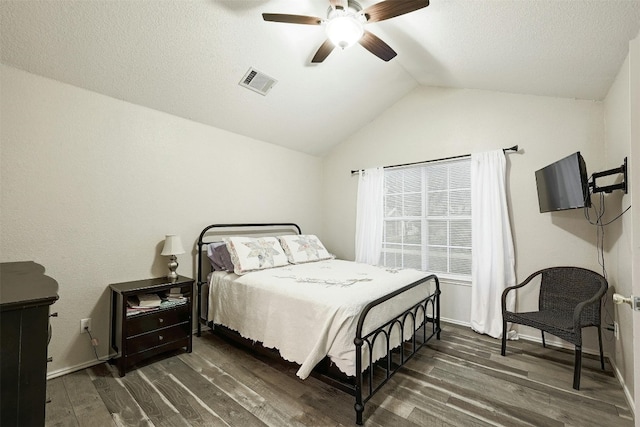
x: 172, y: 247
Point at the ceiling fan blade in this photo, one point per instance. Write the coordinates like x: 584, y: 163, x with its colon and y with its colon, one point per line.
x: 325, y: 49
x: 338, y: 4
x: 373, y: 44
x: 291, y: 19
x: 392, y: 8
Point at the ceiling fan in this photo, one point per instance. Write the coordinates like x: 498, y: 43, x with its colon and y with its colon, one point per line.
x: 345, y: 24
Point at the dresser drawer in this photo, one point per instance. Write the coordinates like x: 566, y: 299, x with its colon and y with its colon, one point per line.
x: 157, y: 338
x: 160, y: 319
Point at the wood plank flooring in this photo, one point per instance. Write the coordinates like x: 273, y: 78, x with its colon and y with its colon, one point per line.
x: 461, y: 380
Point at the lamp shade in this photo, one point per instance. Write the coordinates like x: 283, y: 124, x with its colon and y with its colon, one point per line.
x: 172, y: 245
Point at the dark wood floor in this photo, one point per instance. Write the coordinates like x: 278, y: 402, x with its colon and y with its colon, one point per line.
x: 459, y: 381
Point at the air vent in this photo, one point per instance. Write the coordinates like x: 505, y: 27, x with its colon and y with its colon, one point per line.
x: 257, y: 81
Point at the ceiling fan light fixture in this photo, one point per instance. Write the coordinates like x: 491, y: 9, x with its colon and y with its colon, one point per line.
x: 345, y: 24
x: 344, y: 31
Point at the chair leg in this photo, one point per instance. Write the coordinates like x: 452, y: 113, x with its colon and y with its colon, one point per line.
x: 504, y: 338
x: 543, y: 343
x: 577, y: 368
x: 600, y: 342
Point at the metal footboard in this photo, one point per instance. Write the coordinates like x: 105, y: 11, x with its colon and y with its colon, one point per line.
x: 425, y: 312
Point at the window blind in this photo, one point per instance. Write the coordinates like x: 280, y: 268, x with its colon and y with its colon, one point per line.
x: 427, y: 221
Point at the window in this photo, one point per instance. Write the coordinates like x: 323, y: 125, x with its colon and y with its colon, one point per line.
x: 427, y: 218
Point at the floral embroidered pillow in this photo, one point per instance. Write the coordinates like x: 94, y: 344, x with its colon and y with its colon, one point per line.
x: 250, y: 254
x: 304, y: 248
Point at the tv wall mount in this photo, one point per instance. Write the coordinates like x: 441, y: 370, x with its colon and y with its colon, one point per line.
x: 609, y: 188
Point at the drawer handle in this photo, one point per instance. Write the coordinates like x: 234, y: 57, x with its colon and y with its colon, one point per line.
x: 160, y: 337
x: 49, y: 359
x: 161, y: 320
x: 47, y: 401
x: 54, y: 314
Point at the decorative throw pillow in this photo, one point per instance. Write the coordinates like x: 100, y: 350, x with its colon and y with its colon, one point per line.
x: 250, y: 254
x: 219, y: 256
x: 303, y: 248
x: 211, y: 251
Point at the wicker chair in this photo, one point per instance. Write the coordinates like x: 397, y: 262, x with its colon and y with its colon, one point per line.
x: 569, y: 300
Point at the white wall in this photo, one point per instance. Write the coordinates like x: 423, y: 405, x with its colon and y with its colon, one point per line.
x: 90, y: 186
x: 619, y: 235
x: 431, y: 123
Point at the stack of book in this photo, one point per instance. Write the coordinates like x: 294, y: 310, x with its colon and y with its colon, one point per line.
x: 143, y: 303
x: 149, y: 300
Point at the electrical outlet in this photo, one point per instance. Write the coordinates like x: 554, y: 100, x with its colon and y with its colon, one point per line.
x: 85, y: 323
x: 616, y: 330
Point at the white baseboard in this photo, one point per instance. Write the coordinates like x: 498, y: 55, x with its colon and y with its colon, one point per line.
x: 625, y: 389
x: 455, y: 322
x: 69, y: 369
x: 555, y: 342
x: 60, y: 372
x: 536, y: 339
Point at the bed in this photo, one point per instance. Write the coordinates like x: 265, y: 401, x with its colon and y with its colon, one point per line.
x: 351, y: 324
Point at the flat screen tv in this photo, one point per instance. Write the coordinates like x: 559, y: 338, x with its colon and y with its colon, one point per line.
x: 563, y: 185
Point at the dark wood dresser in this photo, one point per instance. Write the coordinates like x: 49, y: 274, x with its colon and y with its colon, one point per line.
x: 25, y: 296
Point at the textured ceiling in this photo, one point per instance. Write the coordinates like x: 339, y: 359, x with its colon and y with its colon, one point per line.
x: 187, y: 57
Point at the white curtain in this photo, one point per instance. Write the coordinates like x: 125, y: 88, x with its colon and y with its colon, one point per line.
x: 370, y: 216
x: 493, y: 260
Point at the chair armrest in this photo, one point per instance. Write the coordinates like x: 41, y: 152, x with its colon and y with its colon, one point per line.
x: 510, y: 288
x: 577, y: 312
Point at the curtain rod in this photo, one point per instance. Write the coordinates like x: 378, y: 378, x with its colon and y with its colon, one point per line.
x: 514, y: 148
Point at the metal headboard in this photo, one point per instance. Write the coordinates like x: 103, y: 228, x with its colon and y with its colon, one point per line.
x: 239, y: 229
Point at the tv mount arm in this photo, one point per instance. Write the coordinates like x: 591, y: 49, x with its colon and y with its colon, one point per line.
x: 609, y: 188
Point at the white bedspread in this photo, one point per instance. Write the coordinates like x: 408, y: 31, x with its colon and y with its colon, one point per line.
x: 309, y: 311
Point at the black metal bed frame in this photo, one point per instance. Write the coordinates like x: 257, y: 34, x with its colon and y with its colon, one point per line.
x: 365, y: 383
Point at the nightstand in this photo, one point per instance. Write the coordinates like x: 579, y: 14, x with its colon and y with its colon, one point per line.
x: 138, y: 335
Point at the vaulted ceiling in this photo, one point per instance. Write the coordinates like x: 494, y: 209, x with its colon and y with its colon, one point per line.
x: 186, y: 58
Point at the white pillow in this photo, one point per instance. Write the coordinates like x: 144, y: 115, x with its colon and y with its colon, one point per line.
x: 250, y: 254
x: 303, y: 248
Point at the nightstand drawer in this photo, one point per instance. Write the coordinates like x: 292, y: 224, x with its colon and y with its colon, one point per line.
x: 160, y: 319
x: 157, y: 338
